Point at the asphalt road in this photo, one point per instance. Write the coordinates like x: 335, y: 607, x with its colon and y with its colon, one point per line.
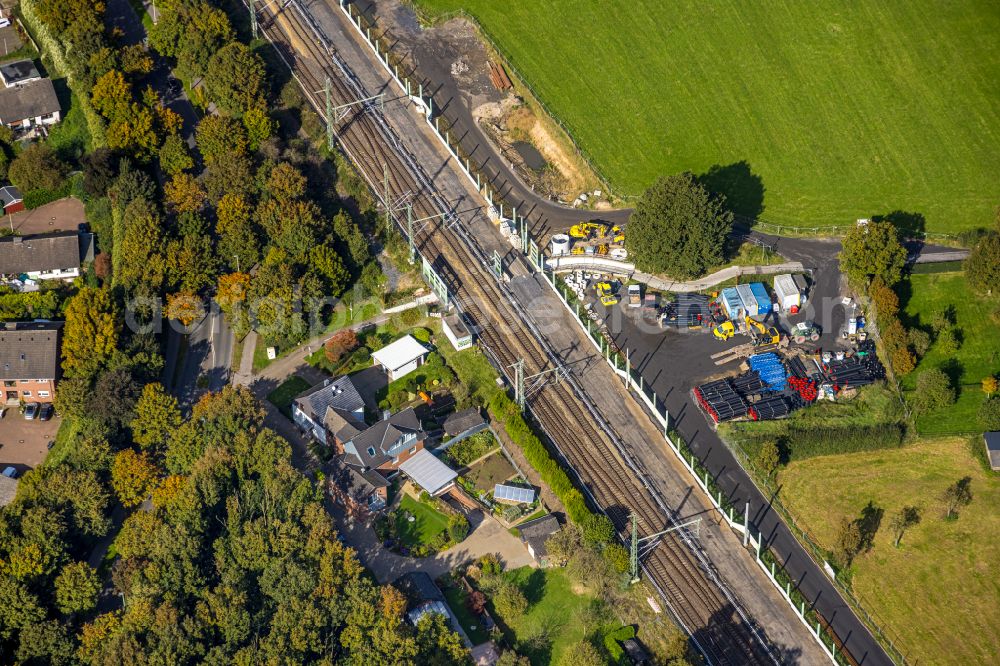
x: 205, y: 352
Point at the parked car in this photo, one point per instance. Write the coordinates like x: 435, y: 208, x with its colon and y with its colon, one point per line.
x: 4, y: 22
x: 50, y: 444
x: 10, y: 472
x: 31, y: 411
x: 46, y: 411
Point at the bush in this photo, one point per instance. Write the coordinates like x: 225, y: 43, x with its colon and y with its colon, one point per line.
x: 933, y: 391
x: 948, y: 341
x: 920, y: 340
x: 597, y: 530
x: 989, y: 414
x: 421, y: 334
x: 802, y: 442
x: 510, y: 601
x: 458, y: 527
x: 472, y: 448
x: 617, y: 557
x: 613, y: 641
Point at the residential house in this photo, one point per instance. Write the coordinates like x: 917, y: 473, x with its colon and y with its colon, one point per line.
x: 534, y: 533
x: 51, y: 256
x: 361, y: 492
x: 457, y: 332
x: 385, y: 445
x: 19, y: 73
x: 12, y: 200
x: 330, y: 410
x: 29, y: 361
x: 30, y: 106
x: 401, y: 357
x: 424, y: 597
x: 992, y: 441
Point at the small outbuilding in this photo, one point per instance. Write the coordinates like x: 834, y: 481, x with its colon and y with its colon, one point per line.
x: 507, y: 494
x: 457, y: 332
x: 534, y: 533
x: 462, y: 424
x: 12, y: 200
x: 401, y: 357
x: 992, y: 440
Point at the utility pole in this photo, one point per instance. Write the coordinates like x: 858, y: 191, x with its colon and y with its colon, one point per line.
x: 253, y: 18
x: 519, y: 397
x: 329, y: 112
x: 651, y: 542
x: 634, y: 551
x: 388, y: 207
x: 409, y: 232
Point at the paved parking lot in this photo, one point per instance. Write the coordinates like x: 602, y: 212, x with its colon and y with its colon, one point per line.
x: 24, y: 444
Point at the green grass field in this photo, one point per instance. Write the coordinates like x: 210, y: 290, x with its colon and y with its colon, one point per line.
x: 978, y: 356
x: 282, y: 396
x: 938, y: 593
x: 428, y: 522
x: 842, y: 110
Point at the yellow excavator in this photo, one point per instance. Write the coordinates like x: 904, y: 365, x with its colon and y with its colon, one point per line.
x: 618, y: 234
x: 605, y: 291
x: 760, y: 334
x: 586, y: 230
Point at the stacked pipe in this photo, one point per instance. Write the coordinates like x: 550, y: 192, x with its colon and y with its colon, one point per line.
x: 748, y: 383
x: 797, y: 368
x: 849, y: 373
x: 771, y: 407
x: 805, y: 387
x: 720, y: 400
x: 770, y: 369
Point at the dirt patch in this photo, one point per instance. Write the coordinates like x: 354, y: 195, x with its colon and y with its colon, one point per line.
x: 454, y: 60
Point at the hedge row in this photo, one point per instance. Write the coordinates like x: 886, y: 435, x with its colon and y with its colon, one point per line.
x: 506, y: 412
x: 52, y: 48
x: 801, y: 443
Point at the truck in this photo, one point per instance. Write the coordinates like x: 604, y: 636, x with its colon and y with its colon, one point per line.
x: 635, y: 296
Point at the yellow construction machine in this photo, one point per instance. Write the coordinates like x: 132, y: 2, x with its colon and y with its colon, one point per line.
x: 606, y: 292
x: 618, y: 234
x: 760, y: 334
x: 586, y: 230
x: 724, y: 331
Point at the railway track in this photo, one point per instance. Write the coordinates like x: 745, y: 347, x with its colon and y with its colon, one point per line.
x: 682, y: 575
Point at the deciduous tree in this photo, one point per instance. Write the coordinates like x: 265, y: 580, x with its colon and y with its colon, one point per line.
x: 768, y: 457
x: 90, y: 335
x: 934, y: 391
x: 220, y: 138
x: 989, y: 385
x: 77, y: 587
x: 340, y: 344
x: 510, y: 601
x: 235, y: 79
x: 325, y: 261
x: 989, y: 414
x: 581, y: 654
x: 259, y: 126
x: 678, y: 229
x: 873, y: 250
x: 37, y: 168
x: 238, y: 242
x: 982, y: 268
x: 183, y: 194
x: 902, y: 520
x: 174, y: 155
x: 157, y: 416
x: 848, y: 540
x: 133, y: 476
x: 957, y: 495
x: 185, y: 307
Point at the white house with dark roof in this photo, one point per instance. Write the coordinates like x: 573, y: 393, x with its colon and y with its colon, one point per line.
x: 30, y: 105
x: 333, y: 409
x: 52, y: 256
x: 385, y: 445
x: 401, y: 357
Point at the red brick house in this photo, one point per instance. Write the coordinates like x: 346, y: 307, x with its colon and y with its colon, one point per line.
x: 384, y: 446
x: 29, y: 361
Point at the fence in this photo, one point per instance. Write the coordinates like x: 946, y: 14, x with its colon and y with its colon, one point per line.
x: 633, y: 380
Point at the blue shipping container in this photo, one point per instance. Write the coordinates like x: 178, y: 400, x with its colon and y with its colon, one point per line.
x: 763, y: 299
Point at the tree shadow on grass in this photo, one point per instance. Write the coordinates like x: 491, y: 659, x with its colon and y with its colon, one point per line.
x: 743, y: 189
x: 868, y: 524
x: 909, y: 225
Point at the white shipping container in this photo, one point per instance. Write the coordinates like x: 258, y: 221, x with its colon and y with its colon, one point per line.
x: 786, y: 294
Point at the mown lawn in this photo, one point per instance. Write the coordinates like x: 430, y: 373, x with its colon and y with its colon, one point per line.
x: 552, y: 622
x: 978, y: 356
x: 938, y: 593
x: 282, y: 396
x: 842, y: 110
x: 427, y: 523
x: 456, y: 596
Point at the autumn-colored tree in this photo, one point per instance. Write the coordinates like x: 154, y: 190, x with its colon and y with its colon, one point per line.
x: 219, y: 138
x: 192, y: 264
x: 185, y: 307
x: 135, y: 59
x: 989, y: 385
x: 37, y: 168
x: 60, y: 14
x: 140, y: 253
x: 340, y: 343
x: 902, y: 359
x: 112, y: 95
x: 232, y: 289
x: 168, y: 489
x: 259, y: 126
x: 174, y: 155
x: 90, y: 335
x: 157, y: 416
x: 135, y: 132
x: 286, y: 183
x: 239, y: 246
x: 183, y: 194
x: 133, y: 476
x: 907, y: 517
x: 884, y: 298
x: 77, y: 587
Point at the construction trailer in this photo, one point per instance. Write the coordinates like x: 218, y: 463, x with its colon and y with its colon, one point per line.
x: 731, y: 303
x: 786, y: 293
x: 750, y: 307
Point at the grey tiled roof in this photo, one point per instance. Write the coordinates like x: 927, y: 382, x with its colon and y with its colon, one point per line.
x: 381, y: 437
x: 535, y: 532
x: 460, y: 422
x: 29, y: 350
x: 40, y: 252
x: 10, y: 194
x: 359, y: 485
x: 338, y: 394
x: 37, y: 98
